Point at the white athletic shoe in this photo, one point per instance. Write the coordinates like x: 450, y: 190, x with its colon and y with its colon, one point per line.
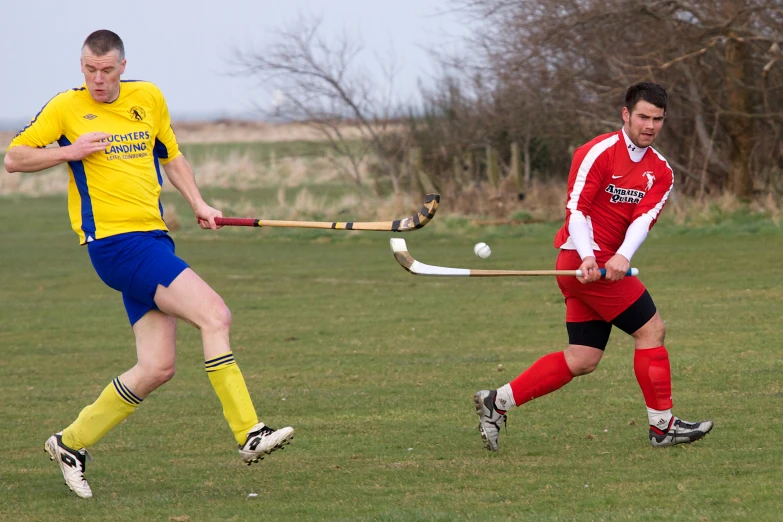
x: 263, y: 440
x: 679, y: 432
x: 72, y: 464
x: 489, y: 417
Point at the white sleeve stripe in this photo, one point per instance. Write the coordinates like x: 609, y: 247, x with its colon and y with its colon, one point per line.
x: 653, y: 212
x: 581, y: 174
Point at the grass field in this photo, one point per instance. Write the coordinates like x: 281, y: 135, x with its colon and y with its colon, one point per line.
x: 376, y: 370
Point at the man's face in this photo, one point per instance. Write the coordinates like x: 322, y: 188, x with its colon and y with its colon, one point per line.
x: 102, y: 74
x: 643, y: 123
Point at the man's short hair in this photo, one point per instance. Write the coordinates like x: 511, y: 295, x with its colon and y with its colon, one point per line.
x: 647, y: 91
x: 103, y: 42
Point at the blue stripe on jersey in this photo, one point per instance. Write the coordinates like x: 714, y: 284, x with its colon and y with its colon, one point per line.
x: 160, y: 176
x: 160, y: 149
x: 32, y: 121
x: 80, y: 177
x: 42, y: 108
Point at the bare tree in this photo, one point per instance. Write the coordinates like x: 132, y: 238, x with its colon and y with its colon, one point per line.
x: 323, y: 84
x: 542, y: 78
x: 561, y: 67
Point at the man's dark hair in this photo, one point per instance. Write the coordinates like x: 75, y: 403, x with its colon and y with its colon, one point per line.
x: 103, y: 42
x: 647, y: 91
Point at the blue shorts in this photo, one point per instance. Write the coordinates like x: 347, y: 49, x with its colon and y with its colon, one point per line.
x: 135, y: 264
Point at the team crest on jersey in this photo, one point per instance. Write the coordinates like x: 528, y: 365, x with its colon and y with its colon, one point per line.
x: 624, y: 195
x: 137, y: 113
x: 650, y: 179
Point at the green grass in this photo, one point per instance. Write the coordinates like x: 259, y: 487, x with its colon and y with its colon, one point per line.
x: 376, y: 370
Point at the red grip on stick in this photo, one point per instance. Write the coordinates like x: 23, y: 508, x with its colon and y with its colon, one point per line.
x: 236, y: 222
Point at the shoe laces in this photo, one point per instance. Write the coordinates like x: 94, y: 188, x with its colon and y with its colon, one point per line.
x: 266, y: 430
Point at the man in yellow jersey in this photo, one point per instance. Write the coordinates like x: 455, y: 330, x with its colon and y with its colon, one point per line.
x: 114, y: 135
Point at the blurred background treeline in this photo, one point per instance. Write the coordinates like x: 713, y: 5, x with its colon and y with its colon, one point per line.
x: 540, y: 79
x: 495, y: 124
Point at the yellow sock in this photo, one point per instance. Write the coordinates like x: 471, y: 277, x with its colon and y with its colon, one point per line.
x: 230, y: 388
x: 114, y: 404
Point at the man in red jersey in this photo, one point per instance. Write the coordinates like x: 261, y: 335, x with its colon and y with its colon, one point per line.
x: 617, y: 187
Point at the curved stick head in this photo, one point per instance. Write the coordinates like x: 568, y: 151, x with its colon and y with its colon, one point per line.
x: 401, y: 254
x: 423, y: 217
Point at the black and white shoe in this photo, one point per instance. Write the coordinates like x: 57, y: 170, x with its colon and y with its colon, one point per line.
x: 72, y: 464
x: 679, y: 432
x: 263, y: 440
x: 489, y: 417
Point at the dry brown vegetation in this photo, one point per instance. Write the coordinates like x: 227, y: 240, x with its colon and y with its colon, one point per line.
x: 236, y: 171
x: 236, y: 131
x: 551, y: 75
x: 486, y: 202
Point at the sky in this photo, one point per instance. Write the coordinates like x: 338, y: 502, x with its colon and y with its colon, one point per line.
x: 185, y: 47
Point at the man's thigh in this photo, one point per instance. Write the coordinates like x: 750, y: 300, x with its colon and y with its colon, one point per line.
x: 136, y: 264
x: 190, y: 298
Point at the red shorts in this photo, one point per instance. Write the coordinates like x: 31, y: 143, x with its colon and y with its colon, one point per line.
x: 599, y: 301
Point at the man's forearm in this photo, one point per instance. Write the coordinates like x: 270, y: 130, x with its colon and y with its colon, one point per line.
x: 181, y: 176
x: 579, y: 231
x: 31, y: 159
x: 635, y: 236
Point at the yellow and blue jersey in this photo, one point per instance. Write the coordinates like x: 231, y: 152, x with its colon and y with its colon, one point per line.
x: 118, y: 189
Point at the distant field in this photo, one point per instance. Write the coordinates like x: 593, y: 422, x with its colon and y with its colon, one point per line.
x: 198, y: 153
x: 239, y: 164
x: 376, y: 370
x: 233, y: 132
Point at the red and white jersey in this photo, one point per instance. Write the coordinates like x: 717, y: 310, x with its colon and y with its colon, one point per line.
x: 612, y: 183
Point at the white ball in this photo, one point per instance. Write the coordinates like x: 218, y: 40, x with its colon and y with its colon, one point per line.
x: 482, y: 250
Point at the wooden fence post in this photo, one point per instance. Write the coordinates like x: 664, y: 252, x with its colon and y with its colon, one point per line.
x: 421, y: 179
x: 492, y: 167
x: 516, y: 170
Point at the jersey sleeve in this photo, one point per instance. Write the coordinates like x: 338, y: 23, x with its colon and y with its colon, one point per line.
x: 649, y: 208
x: 43, y: 130
x: 166, y: 147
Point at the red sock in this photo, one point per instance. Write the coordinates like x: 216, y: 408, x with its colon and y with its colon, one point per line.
x: 547, y: 374
x: 654, y: 376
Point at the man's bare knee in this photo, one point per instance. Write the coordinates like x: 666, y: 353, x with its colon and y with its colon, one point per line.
x: 218, y: 317
x: 158, y: 376
x: 582, y: 360
x: 652, y: 334
x: 583, y: 367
